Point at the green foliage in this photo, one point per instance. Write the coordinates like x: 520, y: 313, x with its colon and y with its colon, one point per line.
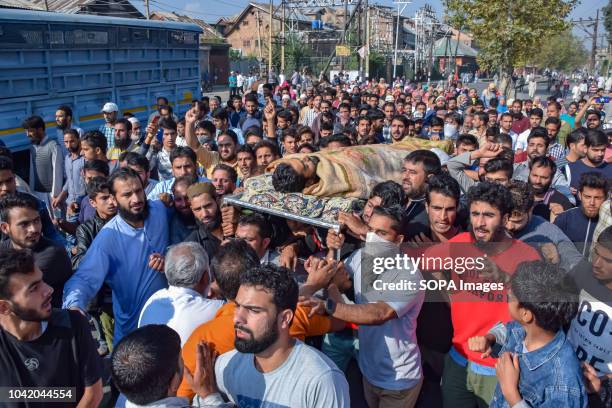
x: 234, y: 55
x: 377, y: 65
x: 608, y: 19
x: 508, y: 32
x: 562, y: 52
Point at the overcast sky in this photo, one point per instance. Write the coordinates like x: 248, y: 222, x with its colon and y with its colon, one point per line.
x: 211, y: 10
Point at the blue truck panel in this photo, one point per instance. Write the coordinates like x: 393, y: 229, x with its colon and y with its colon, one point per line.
x: 50, y: 59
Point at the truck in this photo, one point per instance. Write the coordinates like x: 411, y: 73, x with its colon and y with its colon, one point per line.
x: 83, y: 61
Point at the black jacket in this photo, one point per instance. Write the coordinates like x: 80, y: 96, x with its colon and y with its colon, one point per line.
x: 209, y: 242
x: 85, y: 235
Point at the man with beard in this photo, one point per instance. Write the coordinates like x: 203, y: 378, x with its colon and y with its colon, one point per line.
x: 63, y: 119
x: 579, y: 223
x: 521, y: 122
x: 110, y: 111
x: 596, y: 142
x: 74, y: 186
x: 20, y: 221
x: 182, y: 221
x: 537, y: 146
x: 126, y: 255
x: 548, y: 201
x: 247, y: 165
x: 469, y: 379
x: 184, y: 163
x: 8, y: 186
x: 122, y: 139
x: 46, y: 161
x: 41, y: 346
x: 230, y: 262
x: 226, y: 141
x: 163, y: 157
x: 525, y: 225
x: 291, y: 373
x: 418, y: 167
x: 398, y: 128
x: 203, y: 201
x: 224, y: 178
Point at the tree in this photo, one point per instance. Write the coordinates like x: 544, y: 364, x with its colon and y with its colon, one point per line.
x: 508, y: 32
x: 235, y: 55
x: 608, y: 19
x: 563, y: 52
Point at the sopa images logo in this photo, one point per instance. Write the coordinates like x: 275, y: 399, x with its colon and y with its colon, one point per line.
x: 31, y: 363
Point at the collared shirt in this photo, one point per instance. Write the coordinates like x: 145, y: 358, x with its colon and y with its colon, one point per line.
x: 109, y: 133
x: 164, y: 166
x: 556, y: 151
x: 119, y: 257
x: 75, y: 183
x: 181, y: 309
x: 550, y: 374
x: 166, y: 187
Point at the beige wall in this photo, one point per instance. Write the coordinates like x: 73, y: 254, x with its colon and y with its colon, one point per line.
x: 245, y: 36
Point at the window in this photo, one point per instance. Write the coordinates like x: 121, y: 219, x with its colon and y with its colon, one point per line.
x: 246, y: 43
x: 22, y: 35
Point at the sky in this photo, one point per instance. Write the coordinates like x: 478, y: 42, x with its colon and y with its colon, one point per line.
x: 211, y: 10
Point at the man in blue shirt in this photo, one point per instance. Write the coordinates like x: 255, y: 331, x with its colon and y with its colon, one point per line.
x: 127, y: 255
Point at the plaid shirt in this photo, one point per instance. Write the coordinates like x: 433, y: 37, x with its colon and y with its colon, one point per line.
x: 309, y: 117
x: 109, y: 133
x: 556, y: 151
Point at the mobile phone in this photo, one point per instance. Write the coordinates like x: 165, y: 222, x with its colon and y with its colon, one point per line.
x: 603, y: 99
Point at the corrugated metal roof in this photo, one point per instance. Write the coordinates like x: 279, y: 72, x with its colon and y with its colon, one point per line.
x: 462, y: 51
x: 21, y: 4
x: 76, y: 6
x: 208, y: 31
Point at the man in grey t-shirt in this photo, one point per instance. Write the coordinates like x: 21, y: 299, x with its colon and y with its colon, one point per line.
x: 269, y: 368
x: 386, y: 313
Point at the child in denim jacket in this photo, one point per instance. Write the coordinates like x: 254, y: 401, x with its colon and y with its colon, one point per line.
x: 537, y: 366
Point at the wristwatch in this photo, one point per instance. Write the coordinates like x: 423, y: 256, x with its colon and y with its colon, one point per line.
x: 330, y: 306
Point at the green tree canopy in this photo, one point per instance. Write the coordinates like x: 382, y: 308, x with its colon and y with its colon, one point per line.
x: 608, y: 19
x: 508, y: 32
x: 563, y: 52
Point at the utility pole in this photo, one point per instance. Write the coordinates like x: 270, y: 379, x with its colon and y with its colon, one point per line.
x: 397, y: 29
x: 270, y: 39
x: 46, y: 5
x: 594, y: 50
x: 259, y: 39
x: 367, y: 39
x: 146, y: 2
x: 585, y: 25
x: 283, y: 37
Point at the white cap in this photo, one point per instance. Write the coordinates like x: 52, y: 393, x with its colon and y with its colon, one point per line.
x: 110, y: 107
x: 285, y: 96
x: 134, y: 121
x: 389, y: 98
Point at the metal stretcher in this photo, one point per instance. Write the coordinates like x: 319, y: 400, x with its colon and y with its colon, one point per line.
x: 317, y: 222
x: 235, y: 201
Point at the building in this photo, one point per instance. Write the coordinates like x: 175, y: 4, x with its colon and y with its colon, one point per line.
x: 214, y: 50
x: 249, y: 31
x: 109, y: 8
x: 448, y: 53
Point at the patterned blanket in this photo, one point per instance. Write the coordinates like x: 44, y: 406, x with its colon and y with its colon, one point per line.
x: 259, y: 191
x: 352, y: 172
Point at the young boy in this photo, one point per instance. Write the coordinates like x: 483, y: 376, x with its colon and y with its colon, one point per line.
x: 537, y: 364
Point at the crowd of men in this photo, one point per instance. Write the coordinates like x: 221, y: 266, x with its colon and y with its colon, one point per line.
x: 118, y: 258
